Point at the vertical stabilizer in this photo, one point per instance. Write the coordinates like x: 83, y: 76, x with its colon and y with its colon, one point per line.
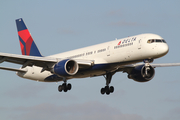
x: 28, y: 46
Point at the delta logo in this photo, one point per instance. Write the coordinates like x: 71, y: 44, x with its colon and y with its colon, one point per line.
x: 119, y: 43
x: 129, y: 40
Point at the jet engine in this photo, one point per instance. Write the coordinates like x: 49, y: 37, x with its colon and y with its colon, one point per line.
x: 65, y: 68
x: 142, y: 73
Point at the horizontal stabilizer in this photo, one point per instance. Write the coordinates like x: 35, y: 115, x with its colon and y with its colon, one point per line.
x: 13, y: 69
x: 24, y: 59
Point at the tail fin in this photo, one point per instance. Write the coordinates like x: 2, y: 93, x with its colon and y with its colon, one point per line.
x: 28, y: 46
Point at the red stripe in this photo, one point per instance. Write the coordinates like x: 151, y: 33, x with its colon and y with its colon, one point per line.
x: 28, y: 45
x: 22, y: 48
x: 24, y: 34
x: 26, y: 37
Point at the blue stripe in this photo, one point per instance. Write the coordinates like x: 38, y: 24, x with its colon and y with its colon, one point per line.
x: 53, y: 78
x: 23, y: 44
x: 20, y: 24
x: 99, y: 66
x: 34, y: 50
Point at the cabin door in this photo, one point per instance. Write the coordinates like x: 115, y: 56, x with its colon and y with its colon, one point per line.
x: 139, y: 44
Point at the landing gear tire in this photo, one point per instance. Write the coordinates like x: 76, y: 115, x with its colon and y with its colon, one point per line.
x: 60, y: 88
x: 69, y: 86
x: 64, y: 87
x: 111, y: 89
x: 107, y: 90
x: 103, y: 91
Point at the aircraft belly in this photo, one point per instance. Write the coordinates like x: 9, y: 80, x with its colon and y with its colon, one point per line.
x: 97, y: 70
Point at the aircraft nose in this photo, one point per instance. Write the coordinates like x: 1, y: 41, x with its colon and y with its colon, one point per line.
x: 163, y: 49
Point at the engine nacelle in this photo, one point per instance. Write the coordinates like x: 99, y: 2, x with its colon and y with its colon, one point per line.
x: 142, y: 73
x: 66, y: 68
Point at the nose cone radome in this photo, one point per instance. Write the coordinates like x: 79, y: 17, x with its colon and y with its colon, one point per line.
x: 163, y: 49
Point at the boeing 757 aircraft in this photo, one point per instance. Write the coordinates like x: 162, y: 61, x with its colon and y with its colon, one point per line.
x: 133, y: 55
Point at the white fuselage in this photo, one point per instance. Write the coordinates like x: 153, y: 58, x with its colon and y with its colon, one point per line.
x: 118, y: 52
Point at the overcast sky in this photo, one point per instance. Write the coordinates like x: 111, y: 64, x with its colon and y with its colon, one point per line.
x: 63, y: 25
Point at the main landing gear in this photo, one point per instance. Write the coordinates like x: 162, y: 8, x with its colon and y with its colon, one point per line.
x: 108, y: 89
x: 64, y: 87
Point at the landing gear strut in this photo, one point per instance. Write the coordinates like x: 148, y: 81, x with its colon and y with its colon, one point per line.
x: 64, y: 87
x: 108, y: 89
x: 147, y: 67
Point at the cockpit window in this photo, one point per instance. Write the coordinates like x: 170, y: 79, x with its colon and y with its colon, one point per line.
x: 149, y: 41
x: 163, y: 41
x: 156, y: 40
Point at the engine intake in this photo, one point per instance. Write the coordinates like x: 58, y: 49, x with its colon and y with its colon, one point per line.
x: 66, y: 67
x: 142, y: 73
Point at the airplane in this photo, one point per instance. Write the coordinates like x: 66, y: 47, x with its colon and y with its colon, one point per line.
x: 132, y: 55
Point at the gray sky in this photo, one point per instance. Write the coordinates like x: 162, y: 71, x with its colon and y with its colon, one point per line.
x: 58, y: 26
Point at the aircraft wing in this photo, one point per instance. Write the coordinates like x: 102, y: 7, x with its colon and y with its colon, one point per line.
x: 37, y: 61
x: 165, y: 64
x: 152, y: 64
x: 128, y: 68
